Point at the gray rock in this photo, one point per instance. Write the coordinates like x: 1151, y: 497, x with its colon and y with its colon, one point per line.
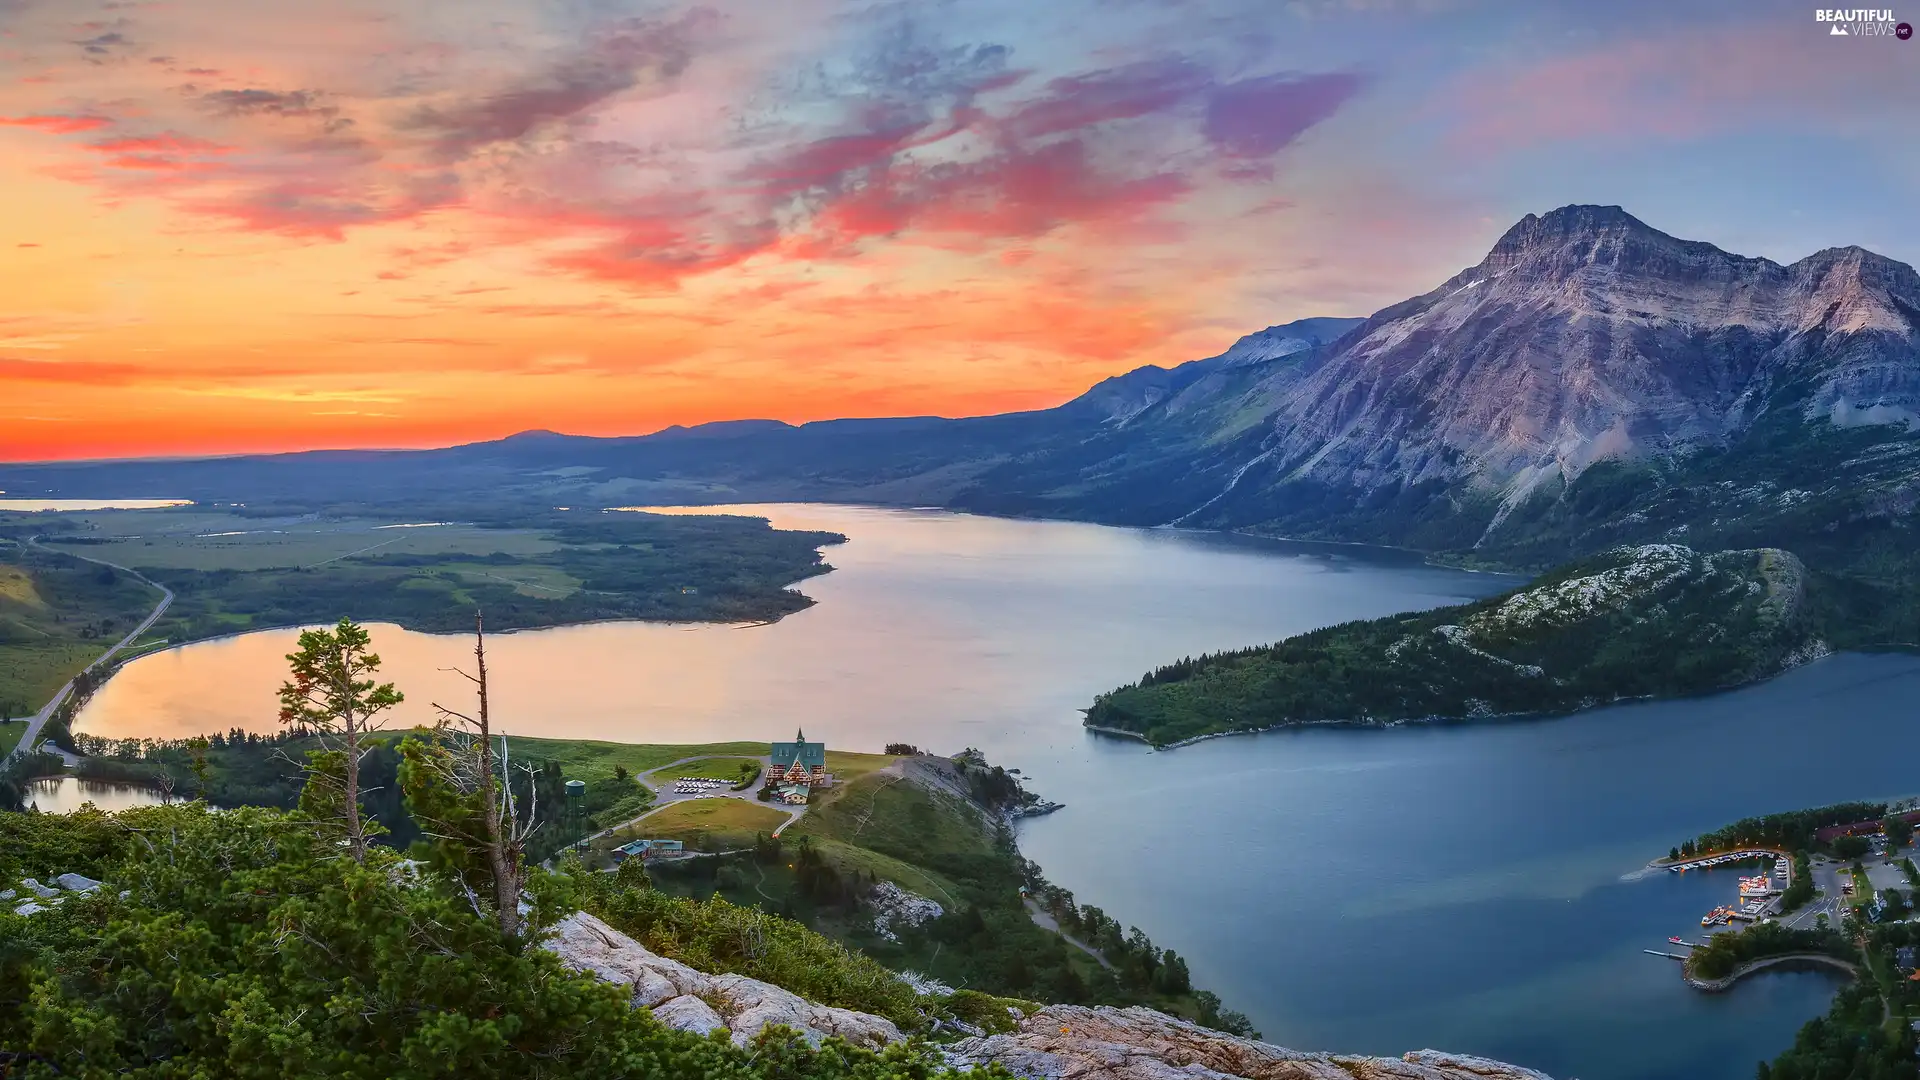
x: 689, y: 1013
x: 587, y: 944
x: 30, y: 908
x: 1058, y: 1042
x: 7, y: 894
x: 76, y: 883
x: 1071, y: 1042
x: 39, y: 890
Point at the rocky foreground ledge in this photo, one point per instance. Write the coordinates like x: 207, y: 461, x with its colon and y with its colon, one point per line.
x: 1059, y: 1042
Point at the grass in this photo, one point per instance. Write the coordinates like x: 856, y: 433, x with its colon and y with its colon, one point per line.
x: 31, y: 673
x: 847, y: 857
x: 727, y: 823
x: 17, y: 586
x: 586, y: 759
x: 713, y: 768
x: 904, y: 819
x: 527, y: 579
x: 10, y: 736
x: 201, y: 541
x: 847, y: 766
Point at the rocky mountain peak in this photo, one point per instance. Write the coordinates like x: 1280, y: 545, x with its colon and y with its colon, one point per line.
x: 1574, y: 223
x: 1572, y: 239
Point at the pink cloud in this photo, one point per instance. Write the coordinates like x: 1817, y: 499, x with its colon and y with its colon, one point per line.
x: 56, y: 124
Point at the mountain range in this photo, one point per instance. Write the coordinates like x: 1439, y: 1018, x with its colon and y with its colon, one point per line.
x: 1591, y: 382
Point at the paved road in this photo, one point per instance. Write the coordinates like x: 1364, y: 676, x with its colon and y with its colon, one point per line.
x: 40, y: 718
x: 663, y: 791
x: 1827, y: 875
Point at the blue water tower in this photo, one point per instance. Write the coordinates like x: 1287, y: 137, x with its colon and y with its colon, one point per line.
x: 576, y: 808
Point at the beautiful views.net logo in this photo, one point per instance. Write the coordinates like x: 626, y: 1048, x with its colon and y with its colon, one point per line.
x: 1862, y: 22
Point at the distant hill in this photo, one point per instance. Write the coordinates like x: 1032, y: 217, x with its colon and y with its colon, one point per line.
x: 1635, y: 622
x: 1591, y: 382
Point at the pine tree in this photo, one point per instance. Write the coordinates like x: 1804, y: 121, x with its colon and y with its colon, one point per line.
x: 332, y: 692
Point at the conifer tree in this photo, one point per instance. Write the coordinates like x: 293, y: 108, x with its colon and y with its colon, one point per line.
x: 332, y: 693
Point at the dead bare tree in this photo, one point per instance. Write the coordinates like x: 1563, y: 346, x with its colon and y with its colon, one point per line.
x: 471, y: 769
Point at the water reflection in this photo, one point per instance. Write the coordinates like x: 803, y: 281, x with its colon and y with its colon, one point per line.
x: 65, y: 794
x: 35, y: 505
x: 1468, y: 888
x: 944, y: 629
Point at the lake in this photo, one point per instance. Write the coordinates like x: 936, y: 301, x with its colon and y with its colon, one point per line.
x: 65, y: 794
x: 1465, y: 888
x: 56, y: 505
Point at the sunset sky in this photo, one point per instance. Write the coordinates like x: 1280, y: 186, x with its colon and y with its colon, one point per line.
x: 236, y: 225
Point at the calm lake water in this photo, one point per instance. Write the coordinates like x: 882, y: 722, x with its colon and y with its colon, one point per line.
x: 1468, y: 888
x: 34, y: 505
x: 65, y: 794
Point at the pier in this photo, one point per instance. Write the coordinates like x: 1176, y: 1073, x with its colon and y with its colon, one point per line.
x: 1719, y: 860
x: 1668, y: 955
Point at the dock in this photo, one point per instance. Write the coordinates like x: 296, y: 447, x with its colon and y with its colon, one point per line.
x: 1749, y: 855
x: 1668, y: 955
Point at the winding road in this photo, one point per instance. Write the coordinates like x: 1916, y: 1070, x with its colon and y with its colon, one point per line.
x: 39, y: 719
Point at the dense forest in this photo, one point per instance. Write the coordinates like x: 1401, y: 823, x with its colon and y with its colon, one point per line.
x: 1793, y: 830
x: 237, y: 944
x: 1633, y: 622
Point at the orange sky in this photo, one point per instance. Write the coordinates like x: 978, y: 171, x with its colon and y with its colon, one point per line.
x: 253, y: 225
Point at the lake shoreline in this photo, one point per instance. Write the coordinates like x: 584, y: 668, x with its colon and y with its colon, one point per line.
x: 1794, y: 662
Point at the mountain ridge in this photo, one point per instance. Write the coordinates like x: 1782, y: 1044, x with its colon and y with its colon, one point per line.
x: 1591, y: 381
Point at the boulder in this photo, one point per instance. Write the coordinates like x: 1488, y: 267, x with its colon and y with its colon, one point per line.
x: 1058, y: 1042
x: 1072, y: 1042
x: 7, y: 894
x: 689, y: 1013
x: 745, y: 1005
x: 38, y: 889
x: 29, y: 908
x: 76, y: 883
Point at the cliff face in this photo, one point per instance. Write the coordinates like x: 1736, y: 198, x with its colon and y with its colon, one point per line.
x: 1059, y: 1042
x: 1585, y: 334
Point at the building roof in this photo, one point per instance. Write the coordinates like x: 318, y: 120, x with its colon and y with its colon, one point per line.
x: 813, y: 755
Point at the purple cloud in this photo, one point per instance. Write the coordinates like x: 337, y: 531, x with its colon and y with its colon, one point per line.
x: 1257, y: 118
x: 1124, y: 93
x: 633, y: 53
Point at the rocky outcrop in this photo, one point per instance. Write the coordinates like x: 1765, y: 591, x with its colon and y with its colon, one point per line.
x: 696, y: 1001
x: 1074, y: 1042
x: 1059, y: 1042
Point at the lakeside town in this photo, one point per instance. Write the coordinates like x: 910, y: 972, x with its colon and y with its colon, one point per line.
x: 1834, y: 888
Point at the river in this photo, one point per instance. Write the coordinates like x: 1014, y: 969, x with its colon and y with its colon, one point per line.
x: 1464, y: 888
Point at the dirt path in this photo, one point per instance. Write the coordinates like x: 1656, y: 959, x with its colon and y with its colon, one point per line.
x: 1046, y: 921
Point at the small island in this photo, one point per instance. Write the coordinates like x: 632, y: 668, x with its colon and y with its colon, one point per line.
x: 1651, y: 621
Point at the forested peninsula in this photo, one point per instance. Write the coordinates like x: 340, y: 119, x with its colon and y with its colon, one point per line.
x: 1632, y: 622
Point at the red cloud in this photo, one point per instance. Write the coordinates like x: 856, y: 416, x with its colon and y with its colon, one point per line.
x: 56, y: 124
x: 167, y: 143
x: 58, y: 371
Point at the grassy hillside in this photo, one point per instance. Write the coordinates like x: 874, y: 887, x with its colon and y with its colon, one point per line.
x: 1654, y: 620
x: 57, y: 615
x: 926, y: 826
